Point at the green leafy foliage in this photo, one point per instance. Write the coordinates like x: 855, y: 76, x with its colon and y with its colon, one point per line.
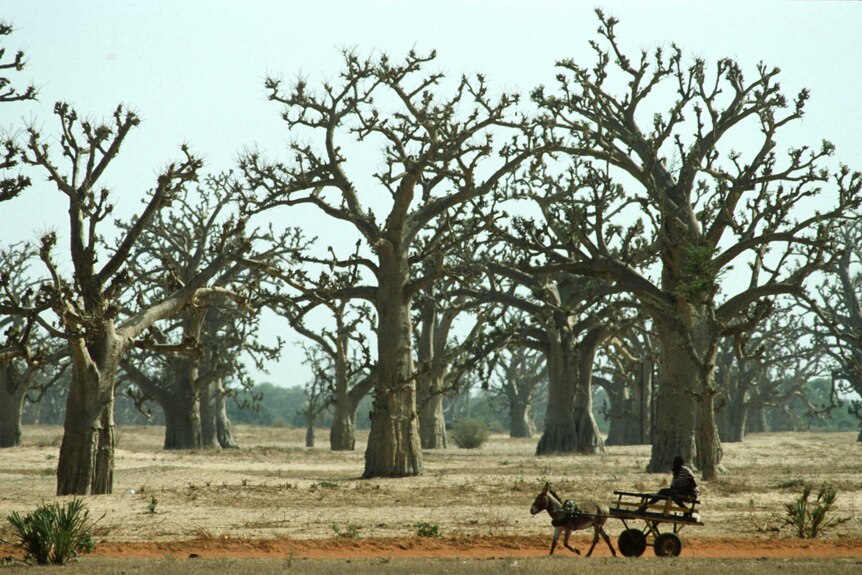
x: 424, y: 529
x: 470, y: 433
x: 699, y: 276
x: 811, y: 518
x: 54, y: 534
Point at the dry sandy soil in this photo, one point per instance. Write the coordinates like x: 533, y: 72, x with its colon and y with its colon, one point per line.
x: 275, y: 498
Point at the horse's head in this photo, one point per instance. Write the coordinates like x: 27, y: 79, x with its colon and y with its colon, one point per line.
x: 542, y: 501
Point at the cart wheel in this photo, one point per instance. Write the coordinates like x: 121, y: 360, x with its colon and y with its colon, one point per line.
x: 667, y: 545
x: 632, y: 543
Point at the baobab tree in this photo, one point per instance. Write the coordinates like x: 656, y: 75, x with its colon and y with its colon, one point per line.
x: 627, y: 376
x: 767, y: 368
x: 11, y: 184
x: 26, y: 352
x: 439, y: 155
x: 97, y: 331
x: 181, y: 364
x: 664, y: 176
x: 561, y: 317
x: 516, y: 375
x: 835, y: 303
x: 340, y: 355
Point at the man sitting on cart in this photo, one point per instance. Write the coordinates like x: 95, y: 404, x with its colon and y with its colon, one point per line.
x: 682, y: 484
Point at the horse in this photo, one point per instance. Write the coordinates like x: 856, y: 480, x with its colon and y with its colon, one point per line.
x: 568, y: 517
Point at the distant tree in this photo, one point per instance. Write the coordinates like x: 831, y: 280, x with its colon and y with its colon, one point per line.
x: 628, y: 378
x: 767, y: 368
x: 516, y: 377
x: 93, y: 324
x: 342, y: 360
x: 439, y: 157
x: 650, y: 135
x: 182, y: 363
x: 11, y: 185
x: 317, y: 390
x: 837, y: 308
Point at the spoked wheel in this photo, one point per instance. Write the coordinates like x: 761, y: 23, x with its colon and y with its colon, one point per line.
x: 667, y: 545
x: 632, y: 543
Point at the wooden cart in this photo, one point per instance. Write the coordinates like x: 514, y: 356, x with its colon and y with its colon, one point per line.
x: 654, y: 510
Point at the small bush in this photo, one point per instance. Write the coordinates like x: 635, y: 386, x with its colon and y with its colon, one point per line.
x: 470, y: 433
x: 424, y: 529
x: 53, y: 534
x: 350, y: 531
x: 808, y: 518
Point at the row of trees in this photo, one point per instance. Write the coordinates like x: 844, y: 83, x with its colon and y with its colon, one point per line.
x: 637, y: 224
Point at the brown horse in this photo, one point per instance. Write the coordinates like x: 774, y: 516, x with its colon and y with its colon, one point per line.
x: 570, y: 517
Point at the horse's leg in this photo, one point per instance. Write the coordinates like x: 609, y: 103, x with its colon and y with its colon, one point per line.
x: 607, y: 540
x: 595, y: 539
x: 554, y: 540
x: 566, y: 542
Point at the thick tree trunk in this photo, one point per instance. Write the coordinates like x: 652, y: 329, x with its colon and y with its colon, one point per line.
x: 589, y: 439
x: 309, y: 435
x: 708, y: 444
x: 732, y: 421
x: 521, y: 418
x: 629, y: 416
x: 209, y: 435
x: 103, y: 476
x: 182, y: 422
x: 224, y: 429
x: 341, y: 433
x: 432, y: 425
x: 89, y: 407
x: 394, y: 448
x: 431, y: 345
x: 675, y: 406
x: 342, y: 436
x: 560, y: 434
x: 12, y: 392
x: 685, y: 409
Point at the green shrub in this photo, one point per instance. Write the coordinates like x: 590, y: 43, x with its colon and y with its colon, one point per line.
x: 53, y: 534
x: 470, y: 433
x: 810, y: 519
x: 424, y: 529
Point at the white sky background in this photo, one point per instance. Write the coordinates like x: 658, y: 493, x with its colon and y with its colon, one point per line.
x: 194, y: 71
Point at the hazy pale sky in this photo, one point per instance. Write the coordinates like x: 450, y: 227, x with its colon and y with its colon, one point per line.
x: 194, y: 70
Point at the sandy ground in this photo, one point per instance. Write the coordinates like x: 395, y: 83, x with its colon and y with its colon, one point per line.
x: 273, y: 497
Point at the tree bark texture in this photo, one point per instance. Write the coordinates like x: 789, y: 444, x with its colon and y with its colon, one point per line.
x: 521, y: 418
x: 342, y: 436
x: 91, y: 391
x: 182, y: 415
x: 560, y: 434
x: 224, y: 429
x: 589, y: 439
x: 630, y: 405
x: 12, y: 393
x: 676, y: 408
x: 432, y: 424
x: 207, y: 408
x: 394, y: 448
x: 103, y: 476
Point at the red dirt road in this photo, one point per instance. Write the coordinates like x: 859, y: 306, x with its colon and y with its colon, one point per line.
x: 480, y: 547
